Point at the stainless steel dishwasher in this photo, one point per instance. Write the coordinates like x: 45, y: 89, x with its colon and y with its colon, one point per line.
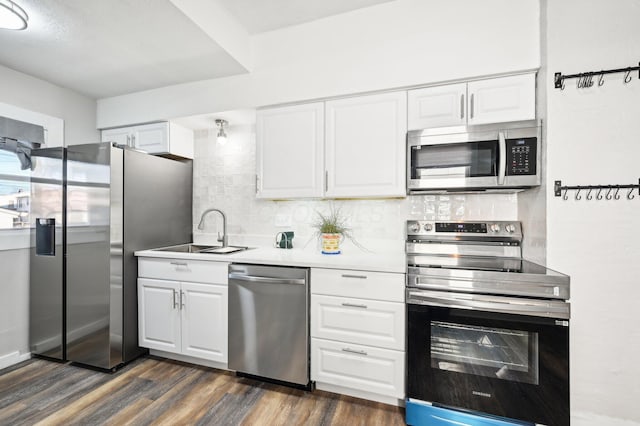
x: 269, y: 322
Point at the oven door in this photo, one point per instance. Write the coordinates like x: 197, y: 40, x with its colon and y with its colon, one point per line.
x: 509, y: 365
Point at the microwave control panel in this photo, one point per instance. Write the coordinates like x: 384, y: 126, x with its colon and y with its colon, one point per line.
x: 521, y: 156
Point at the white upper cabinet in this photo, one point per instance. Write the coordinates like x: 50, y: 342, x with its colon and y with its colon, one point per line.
x: 493, y: 100
x: 156, y: 138
x: 365, y: 146
x: 121, y: 136
x: 438, y: 106
x: 502, y: 99
x: 347, y: 148
x: 290, y: 142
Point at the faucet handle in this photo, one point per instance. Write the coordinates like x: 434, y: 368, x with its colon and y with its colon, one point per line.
x: 220, y: 238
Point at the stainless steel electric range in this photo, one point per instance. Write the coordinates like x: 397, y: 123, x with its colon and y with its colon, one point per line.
x: 487, y: 332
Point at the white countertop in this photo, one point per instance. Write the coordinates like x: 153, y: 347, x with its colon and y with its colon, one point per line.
x: 352, y: 258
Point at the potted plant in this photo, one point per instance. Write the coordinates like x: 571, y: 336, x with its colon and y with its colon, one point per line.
x: 331, y: 229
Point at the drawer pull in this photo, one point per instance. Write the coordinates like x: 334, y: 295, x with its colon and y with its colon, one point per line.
x: 353, y: 351
x: 354, y: 305
x: 179, y: 263
x: 361, y: 277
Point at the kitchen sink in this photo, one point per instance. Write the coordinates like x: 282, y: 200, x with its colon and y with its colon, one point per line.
x: 225, y: 250
x: 186, y: 248
x: 199, y: 248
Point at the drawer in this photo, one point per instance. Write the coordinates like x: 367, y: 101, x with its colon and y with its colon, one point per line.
x: 367, y: 322
x: 198, y: 271
x: 361, y: 284
x: 359, y: 367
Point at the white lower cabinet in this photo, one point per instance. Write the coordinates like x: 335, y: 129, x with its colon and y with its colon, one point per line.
x: 368, y: 322
x: 359, y: 367
x: 184, y: 317
x: 358, y: 343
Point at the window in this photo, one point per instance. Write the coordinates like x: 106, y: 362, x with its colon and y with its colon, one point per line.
x: 14, y: 192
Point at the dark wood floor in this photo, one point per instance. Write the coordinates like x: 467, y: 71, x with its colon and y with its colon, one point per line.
x: 161, y: 392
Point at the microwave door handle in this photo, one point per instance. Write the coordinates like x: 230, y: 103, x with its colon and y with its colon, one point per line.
x: 502, y: 155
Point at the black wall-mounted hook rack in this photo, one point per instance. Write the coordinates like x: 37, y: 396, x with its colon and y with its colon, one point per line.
x: 558, y: 190
x: 558, y: 81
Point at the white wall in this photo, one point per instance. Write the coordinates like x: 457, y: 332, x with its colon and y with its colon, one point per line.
x: 593, y: 139
x: 396, y: 44
x: 40, y: 98
x: 224, y: 177
x: 30, y: 93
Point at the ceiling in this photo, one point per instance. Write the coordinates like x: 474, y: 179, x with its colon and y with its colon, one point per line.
x: 108, y: 48
x: 258, y: 16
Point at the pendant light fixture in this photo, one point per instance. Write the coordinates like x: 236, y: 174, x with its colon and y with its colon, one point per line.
x: 12, y: 16
x: 222, y: 135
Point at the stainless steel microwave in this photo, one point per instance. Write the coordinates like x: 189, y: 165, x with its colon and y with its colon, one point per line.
x: 501, y: 157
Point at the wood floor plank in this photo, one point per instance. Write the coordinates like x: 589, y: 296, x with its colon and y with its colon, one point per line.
x: 234, y: 405
x: 154, y: 391
x: 125, y: 416
x: 204, y: 393
x: 168, y: 400
x: 67, y: 414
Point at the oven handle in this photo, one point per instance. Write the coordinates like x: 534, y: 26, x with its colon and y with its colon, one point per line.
x: 498, y: 304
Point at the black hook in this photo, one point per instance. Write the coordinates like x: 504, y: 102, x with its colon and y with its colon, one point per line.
x: 599, y: 195
x: 601, y: 79
x: 616, y: 196
x: 565, y: 197
x: 627, y: 76
x: 589, y: 196
x: 590, y: 80
x: 578, y: 197
x: 579, y: 82
x: 609, y: 196
x: 630, y: 195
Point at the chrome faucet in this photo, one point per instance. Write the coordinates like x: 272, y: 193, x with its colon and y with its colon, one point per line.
x: 223, y: 239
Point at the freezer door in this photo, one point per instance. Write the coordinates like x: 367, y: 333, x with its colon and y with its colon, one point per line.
x: 94, y: 255
x: 46, y: 290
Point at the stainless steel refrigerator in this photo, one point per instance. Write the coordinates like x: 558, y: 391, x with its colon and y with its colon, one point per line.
x: 92, y: 207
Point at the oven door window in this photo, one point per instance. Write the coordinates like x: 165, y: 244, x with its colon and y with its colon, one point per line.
x: 455, y: 160
x: 485, y: 351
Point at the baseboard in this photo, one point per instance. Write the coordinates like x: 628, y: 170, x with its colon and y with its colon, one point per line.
x: 189, y: 359
x: 360, y: 394
x: 13, y: 358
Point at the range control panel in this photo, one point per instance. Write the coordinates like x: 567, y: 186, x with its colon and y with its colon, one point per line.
x: 521, y: 156
x: 467, y: 229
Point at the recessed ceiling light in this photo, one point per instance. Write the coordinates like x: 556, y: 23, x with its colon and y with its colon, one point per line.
x: 12, y: 16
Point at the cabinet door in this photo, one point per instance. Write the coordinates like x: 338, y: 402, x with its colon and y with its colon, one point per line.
x: 359, y: 367
x: 367, y: 322
x: 438, y: 106
x: 152, y: 138
x: 159, y: 314
x: 204, y: 321
x: 502, y: 99
x: 365, y: 146
x: 121, y: 136
x: 289, y: 151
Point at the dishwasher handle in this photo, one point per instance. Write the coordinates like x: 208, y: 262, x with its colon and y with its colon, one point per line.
x: 267, y: 280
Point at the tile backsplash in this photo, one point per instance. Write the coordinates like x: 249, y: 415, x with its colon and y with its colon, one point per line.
x: 224, y: 178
